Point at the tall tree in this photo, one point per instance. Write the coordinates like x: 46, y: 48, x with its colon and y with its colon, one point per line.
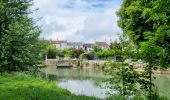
x: 20, y: 48
x: 147, y: 23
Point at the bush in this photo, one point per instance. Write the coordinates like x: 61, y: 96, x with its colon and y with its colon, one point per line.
x: 73, y: 53
x: 88, y: 55
x: 51, y: 52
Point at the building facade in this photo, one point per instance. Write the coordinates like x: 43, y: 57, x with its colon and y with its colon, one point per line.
x: 63, y: 44
x: 76, y: 45
x: 60, y: 44
x: 88, y: 46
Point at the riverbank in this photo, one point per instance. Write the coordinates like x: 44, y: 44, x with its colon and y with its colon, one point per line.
x: 158, y: 71
x: 20, y: 86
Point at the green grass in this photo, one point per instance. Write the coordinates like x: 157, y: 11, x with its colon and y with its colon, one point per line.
x: 19, y: 86
x: 163, y: 83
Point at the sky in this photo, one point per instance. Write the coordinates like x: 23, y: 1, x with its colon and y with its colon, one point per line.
x: 78, y: 20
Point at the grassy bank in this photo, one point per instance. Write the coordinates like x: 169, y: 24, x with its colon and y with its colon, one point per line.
x: 162, y: 82
x: 19, y: 86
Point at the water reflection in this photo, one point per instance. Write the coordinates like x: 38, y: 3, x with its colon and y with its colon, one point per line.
x: 86, y: 87
x: 83, y: 81
x: 86, y: 81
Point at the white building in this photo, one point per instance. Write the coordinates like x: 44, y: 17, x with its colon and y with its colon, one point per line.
x: 76, y: 45
x: 62, y: 44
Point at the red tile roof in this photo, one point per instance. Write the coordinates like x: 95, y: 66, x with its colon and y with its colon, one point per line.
x: 103, y: 44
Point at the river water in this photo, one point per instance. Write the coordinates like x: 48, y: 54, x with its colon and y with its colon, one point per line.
x: 90, y: 81
x: 80, y: 81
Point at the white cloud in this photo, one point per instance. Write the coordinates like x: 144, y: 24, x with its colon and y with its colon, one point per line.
x: 103, y: 25
x: 78, y: 20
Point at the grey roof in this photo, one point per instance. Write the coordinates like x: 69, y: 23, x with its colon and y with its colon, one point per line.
x: 75, y: 43
x: 89, y: 45
x: 59, y: 42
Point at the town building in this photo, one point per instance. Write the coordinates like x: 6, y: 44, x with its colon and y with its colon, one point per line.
x: 88, y: 46
x: 61, y: 44
x: 76, y: 45
x: 64, y: 44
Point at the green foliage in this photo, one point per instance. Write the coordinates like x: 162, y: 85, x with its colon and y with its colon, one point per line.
x: 127, y: 48
x: 116, y: 97
x: 107, y: 53
x: 73, y: 52
x: 97, y: 49
x: 129, y: 83
x: 113, y: 51
x: 148, y: 21
x: 68, y: 52
x: 120, y: 97
x: 77, y: 52
x: 88, y: 55
x: 19, y: 86
x: 147, y: 24
x: 51, y: 52
x: 19, y: 44
x: 125, y: 78
x: 60, y: 53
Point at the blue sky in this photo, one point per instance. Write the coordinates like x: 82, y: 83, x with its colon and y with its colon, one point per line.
x: 78, y: 20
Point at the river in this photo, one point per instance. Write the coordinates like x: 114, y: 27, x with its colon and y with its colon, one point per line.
x: 80, y: 81
x: 90, y: 81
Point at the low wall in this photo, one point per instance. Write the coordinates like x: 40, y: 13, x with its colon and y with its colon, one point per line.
x: 76, y: 62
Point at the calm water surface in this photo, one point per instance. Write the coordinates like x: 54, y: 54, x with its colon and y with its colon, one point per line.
x: 86, y: 81
x: 89, y: 81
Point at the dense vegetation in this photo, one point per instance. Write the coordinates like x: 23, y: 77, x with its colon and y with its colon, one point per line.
x: 146, y: 27
x: 73, y: 52
x: 107, y: 53
x: 147, y: 24
x: 20, y: 48
x: 53, y: 52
